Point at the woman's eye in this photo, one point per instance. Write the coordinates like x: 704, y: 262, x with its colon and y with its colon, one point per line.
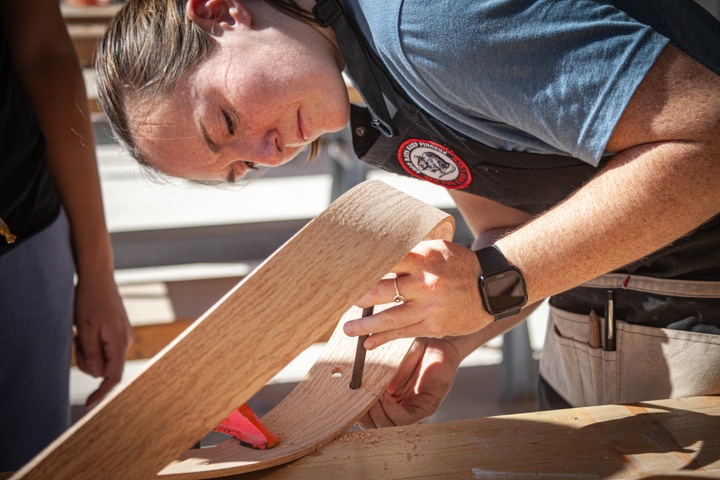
x: 229, y: 121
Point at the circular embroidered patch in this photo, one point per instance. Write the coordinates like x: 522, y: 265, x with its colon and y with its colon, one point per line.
x: 434, y: 163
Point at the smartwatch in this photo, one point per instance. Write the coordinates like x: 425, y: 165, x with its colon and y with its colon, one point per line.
x: 501, y: 285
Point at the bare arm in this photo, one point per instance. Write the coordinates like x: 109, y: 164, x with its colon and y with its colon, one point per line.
x: 488, y: 221
x: 45, y: 62
x: 662, y: 184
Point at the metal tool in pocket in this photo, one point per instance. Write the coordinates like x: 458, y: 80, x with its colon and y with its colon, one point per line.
x: 609, y: 332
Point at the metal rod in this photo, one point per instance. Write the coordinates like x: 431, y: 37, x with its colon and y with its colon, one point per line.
x: 609, y: 343
x: 359, y: 364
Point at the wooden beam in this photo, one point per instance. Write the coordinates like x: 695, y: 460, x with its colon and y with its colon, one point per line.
x: 85, y: 38
x: 149, y: 340
x: 89, y: 14
x: 653, y: 440
x: 229, y: 354
x: 659, y: 440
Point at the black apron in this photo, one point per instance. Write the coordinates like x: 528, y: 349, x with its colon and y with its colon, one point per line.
x: 411, y: 143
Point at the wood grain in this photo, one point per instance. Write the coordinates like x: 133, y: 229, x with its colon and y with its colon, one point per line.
x: 319, y: 409
x: 228, y: 354
x: 654, y: 440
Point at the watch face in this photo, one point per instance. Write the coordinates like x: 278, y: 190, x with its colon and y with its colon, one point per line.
x: 504, y: 291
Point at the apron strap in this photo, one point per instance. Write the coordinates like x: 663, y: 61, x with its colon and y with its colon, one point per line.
x: 661, y: 286
x: 359, y: 62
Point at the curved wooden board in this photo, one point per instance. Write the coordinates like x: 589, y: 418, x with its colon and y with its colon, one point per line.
x: 229, y: 353
x: 320, y: 408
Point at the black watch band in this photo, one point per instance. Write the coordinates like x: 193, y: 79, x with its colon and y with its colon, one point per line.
x: 501, y: 285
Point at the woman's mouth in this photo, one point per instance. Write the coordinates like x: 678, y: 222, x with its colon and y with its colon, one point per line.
x: 302, y: 133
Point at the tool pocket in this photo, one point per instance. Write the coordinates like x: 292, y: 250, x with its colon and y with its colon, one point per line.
x: 581, y: 374
x: 649, y: 363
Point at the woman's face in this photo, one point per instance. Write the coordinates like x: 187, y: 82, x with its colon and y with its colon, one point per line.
x: 261, y: 97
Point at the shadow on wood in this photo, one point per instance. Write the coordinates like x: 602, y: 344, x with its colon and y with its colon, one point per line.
x: 228, y: 354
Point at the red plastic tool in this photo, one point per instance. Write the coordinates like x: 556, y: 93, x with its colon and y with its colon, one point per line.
x: 244, y: 425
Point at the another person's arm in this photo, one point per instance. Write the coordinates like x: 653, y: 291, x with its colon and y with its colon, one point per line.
x: 45, y: 62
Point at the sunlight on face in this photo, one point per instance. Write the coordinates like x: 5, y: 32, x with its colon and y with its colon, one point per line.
x: 229, y: 115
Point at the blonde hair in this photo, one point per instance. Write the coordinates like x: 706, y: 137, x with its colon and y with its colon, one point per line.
x: 148, y: 47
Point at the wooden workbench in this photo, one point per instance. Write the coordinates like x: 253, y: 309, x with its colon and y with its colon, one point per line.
x: 654, y: 440
x: 661, y: 439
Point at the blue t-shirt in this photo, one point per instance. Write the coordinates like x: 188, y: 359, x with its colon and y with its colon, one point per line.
x: 549, y: 77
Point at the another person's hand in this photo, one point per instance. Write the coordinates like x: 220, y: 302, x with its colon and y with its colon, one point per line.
x: 420, y: 385
x: 103, y: 332
x: 438, y: 282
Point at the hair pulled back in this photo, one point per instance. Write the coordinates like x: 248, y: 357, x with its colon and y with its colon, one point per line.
x: 148, y: 47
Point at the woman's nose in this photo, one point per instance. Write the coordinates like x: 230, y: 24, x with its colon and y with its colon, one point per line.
x: 269, y: 150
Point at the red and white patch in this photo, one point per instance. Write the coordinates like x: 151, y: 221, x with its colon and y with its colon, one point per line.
x: 434, y: 163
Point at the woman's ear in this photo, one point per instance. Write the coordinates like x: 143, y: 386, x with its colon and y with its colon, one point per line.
x: 217, y: 16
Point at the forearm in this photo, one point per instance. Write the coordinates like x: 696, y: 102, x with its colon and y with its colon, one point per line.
x: 73, y: 165
x: 54, y: 83
x: 466, y: 344
x: 488, y: 221
x: 661, y: 185
x: 642, y: 201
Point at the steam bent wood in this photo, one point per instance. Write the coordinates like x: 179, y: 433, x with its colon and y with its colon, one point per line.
x: 320, y: 407
x: 230, y: 352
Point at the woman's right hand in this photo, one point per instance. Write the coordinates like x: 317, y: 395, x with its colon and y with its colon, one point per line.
x: 438, y: 283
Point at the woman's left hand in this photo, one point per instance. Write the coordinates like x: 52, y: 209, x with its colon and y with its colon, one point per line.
x: 421, y: 384
x: 438, y: 284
